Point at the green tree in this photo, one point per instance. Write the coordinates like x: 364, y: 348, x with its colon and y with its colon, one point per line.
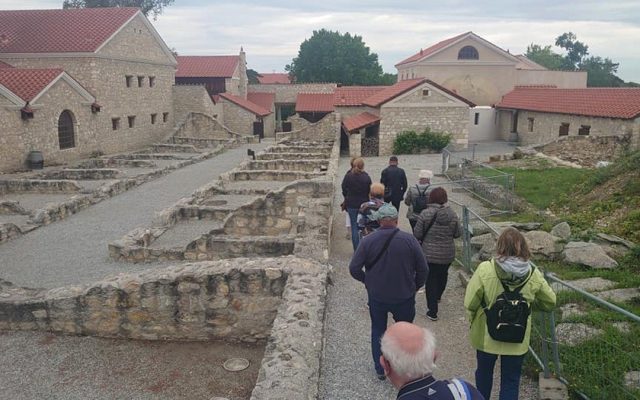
x: 329, y: 56
x: 545, y: 56
x: 252, y: 76
x: 153, y: 7
x: 576, y: 50
x: 601, y: 72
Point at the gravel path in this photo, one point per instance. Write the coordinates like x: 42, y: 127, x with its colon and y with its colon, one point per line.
x: 347, y: 368
x: 74, y: 251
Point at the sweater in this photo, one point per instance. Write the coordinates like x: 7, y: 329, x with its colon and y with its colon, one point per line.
x: 437, y: 241
x: 355, y: 189
x: 398, y: 274
x: 485, y: 282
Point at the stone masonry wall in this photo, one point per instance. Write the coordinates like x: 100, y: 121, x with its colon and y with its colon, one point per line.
x: 202, y: 126
x: 238, y: 119
x: 287, y: 93
x: 325, y: 129
x: 546, y: 127
x: 191, y: 98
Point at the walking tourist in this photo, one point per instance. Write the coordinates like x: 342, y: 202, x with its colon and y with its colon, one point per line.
x: 499, y: 300
x: 355, y: 189
x: 395, y: 182
x: 392, y: 267
x: 417, y: 196
x: 367, y: 224
x: 436, y: 227
x: 409, y: 358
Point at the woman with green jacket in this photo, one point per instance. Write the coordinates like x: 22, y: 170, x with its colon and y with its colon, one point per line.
x: 511, y: 268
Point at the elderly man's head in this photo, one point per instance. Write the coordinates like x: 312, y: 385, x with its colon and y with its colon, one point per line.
x: 408, y: 353
x: 387, y: 215
x: 424, y: 176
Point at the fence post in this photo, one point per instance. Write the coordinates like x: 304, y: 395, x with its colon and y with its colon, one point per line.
x: 544, y: 348
x: 466, y: 238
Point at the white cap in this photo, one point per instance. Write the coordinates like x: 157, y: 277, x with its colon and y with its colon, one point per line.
x: 425, y: 174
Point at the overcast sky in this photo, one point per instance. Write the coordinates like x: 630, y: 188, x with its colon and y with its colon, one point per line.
x: 271, y: 31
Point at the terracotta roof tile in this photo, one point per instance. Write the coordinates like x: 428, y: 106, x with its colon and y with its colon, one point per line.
x: 359, y: 121
x: 27, y: 83
x: 246, y: 104
x: 206, y: 66
x: 60, y: 31
x: 355, y: 95
x: 274, y: 78
x: 315, y: 102
x: 264, y: 100
x: 5, y: 65
x: 430, y: 50
x: 391, y: 92
x: 595, y: 102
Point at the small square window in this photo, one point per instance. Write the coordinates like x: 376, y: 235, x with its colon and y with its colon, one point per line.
x: 426, y: 92
x: 129, y: 80
x: 530, y: 124
x: 153, y: 118
x: 115, y: 123
x: 140, y: 81
x: 132, y: 121
x: 584, y: 130
x: 564, y: 129
x: 476, y: 119
x: 152, y: 81
x: 165, y: 117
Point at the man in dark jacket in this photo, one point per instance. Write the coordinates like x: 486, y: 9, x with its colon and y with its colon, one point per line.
x: 394, y: 269
x: 395, y: 182
x: 408, y: 357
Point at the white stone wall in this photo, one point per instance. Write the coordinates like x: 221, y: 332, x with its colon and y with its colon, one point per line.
x: 546, y: 126
x: 287, y: 93
x: 191, y: 98
x: 237, y: 118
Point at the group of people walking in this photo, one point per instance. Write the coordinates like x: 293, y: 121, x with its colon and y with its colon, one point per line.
x: 394, y: 265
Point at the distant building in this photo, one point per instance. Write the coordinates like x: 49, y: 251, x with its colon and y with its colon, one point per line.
x: 90, y: 80
x: 218, y: 74
x: 273, y: 78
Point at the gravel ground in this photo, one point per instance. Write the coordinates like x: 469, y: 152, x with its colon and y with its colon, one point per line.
x: 33, y: 201
x: 74, y: 251
x: 184, y: 232
x: 347, y: 368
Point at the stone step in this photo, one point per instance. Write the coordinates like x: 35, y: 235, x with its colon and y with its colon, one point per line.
x: 150, y: 156
x: 270, y: 175
x: 81, y: 174
x: 174, y: 148
x: 295, y: 165
x: 292, y: 156
x: 200, y: 142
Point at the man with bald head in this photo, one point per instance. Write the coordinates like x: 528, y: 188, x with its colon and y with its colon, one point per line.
x: 408, y: 358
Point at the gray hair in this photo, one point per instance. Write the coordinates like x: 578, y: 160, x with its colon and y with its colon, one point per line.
x: 410, y: 365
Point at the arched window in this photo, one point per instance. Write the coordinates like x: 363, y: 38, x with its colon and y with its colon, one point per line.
x: 468, y: 53
x: 66, y: 136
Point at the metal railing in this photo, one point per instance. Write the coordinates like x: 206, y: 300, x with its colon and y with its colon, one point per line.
x: 596, y: 346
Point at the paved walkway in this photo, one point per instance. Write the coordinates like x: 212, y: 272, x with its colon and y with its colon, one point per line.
x: 347, y: 368
x: 74, y: 251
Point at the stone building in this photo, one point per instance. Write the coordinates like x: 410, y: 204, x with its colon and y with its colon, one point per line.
x: 110, y: 56
x: 244, y: 117
x: 481, y: 71
x: 536, y: 115
x: 218, y: 74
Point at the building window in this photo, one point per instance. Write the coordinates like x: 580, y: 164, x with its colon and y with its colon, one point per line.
x: 476, y: 119
x: 153, y: 118
x: 468, y: 53
x: 132, y: 121
x: 66, y: 135
x: 426, y: 92
x: 530, y: 124
x: 564, y: 129
x: 115, y: 124
x: 584, y: 130
x: 129, y: 80
x: 140, y: 81
x: 152, y: 81
x: 165, y: 116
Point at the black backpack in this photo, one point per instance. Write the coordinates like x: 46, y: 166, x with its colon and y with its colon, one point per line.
x: 420, y: 202
x: 508, y: 317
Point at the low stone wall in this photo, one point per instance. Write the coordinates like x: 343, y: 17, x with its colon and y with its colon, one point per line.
x: 9, y: 231
x: 291, y: 156
x: 81, y: 174
x: 285, y: 149
x: 199, y: 142
x: 199, y: 125
x: 289, y: 165
x: 112, y: 162
x: 325, y: 129
x: 173, y: 148
x: 38, y: 186
x: 585, y: 150
x: 267, y: 175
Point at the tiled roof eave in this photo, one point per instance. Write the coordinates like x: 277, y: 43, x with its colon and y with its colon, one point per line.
x: 582, y: 114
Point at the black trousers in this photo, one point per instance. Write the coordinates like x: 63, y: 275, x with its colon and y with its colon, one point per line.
x: 436, y: 283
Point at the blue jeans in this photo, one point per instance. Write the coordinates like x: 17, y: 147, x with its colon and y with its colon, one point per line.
x: 405, y: 311
x: 353, y: 218
x: 510, y: 371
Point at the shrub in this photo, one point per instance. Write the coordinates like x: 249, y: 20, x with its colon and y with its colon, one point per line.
x: 408, y: 142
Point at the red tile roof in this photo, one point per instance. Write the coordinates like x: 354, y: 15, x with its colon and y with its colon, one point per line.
x: 206, y: 66
x: 355, y: 95
x: 264, y: 100
x: 359, y: 121
x: 595, y: 102
x: 315, y: 102
x: 274, y: 78
x: 430, y: 50
x: 246, y: 104
x: 27, y: 83
x: 5, y: 65
x: 391, y: 92
x: 60, y: 31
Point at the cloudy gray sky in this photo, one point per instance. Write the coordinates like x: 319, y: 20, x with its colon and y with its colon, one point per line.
x: 271, y: 31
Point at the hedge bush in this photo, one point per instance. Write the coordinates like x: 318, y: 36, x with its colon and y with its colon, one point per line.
x: 409, y: 142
